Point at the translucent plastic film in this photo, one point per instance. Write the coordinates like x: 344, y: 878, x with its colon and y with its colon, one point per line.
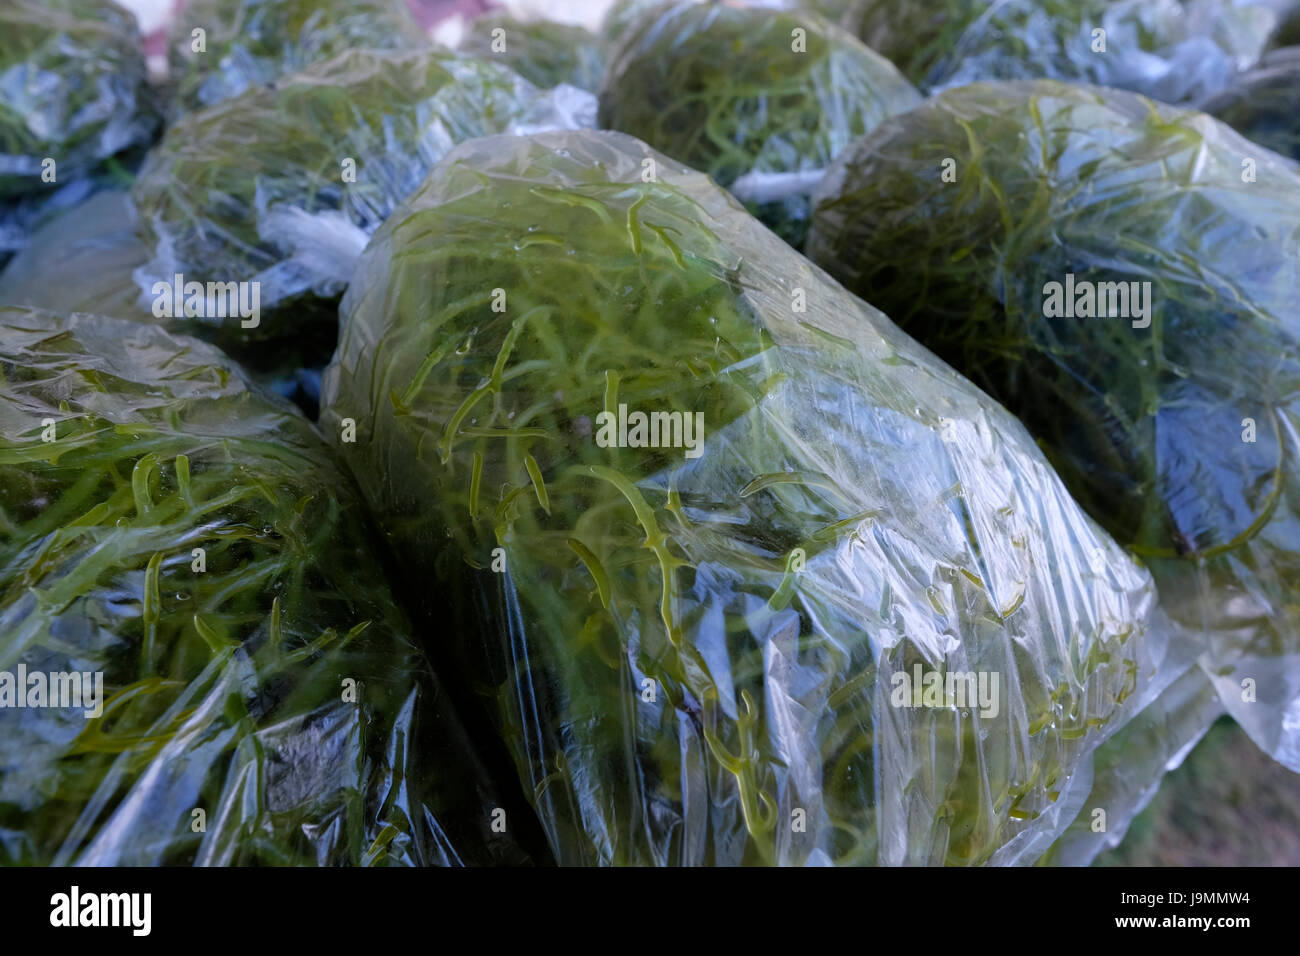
x: 1123, y: 275
x: 200, y: 659
x: 281, y: 187
x: 759, y: 99
x: 743, y: 574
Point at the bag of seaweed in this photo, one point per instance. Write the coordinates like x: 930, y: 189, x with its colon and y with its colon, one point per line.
x: 276, y: 191
x: 761, y: 100
x: 218, y: 49
x: 74, y: 99
x: 200, y: 658
x: 543, y: 52
x: 73, y: 91
x: 742, y: 574
x: 1174, y: 50
x: 1122, y: 275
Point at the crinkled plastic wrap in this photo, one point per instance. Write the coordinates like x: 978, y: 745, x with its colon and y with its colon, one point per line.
x: 1264, y: 104
x: 84, y: 259
x: 759, y: 99
x: 73, y: 88
x: 699, y: 653
x: 187, y: 545
x: 283, y: 186
x: 248, y: 44
x: 81, y: 260
x: 1175, y: 50
x: 1174, y: 422
x: 544, y: 53
x: 1129, y: 766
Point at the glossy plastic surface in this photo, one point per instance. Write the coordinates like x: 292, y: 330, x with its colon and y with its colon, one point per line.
x: 759, y: 99
x: 189, y: 540
x: 283, y: 186
x: 1177, y: 429
x: 696, y: 652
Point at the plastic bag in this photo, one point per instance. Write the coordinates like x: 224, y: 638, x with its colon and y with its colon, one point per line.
x: 1122, y: 275
x: 223, y: 675
x: 693, y: 649
x: 1128, y: 768
x: 280, y: 188
x: 73, y: 91
x: 761, y: 100
x: 246, y: 44
x: 1264, y: 104
x: 84, y: 259
x: 545, y: 54
x: 1175, y: 50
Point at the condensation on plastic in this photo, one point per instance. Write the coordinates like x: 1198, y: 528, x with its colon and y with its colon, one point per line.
x: 544, y: 53
x: 1175, y: 50
x: 253, y: 189
x: 1128, y: 768
x: 692, y: 658
x: 73, y: 88
x: 252, y: 43
x: 741, y: 94
x: 1180, y: 438
x: 223, y: 689
x: 1264, y: 104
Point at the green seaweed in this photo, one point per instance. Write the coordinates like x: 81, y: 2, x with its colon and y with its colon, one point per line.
x: 752, y: 97
x: 691, y: 659
x: 189, y: 539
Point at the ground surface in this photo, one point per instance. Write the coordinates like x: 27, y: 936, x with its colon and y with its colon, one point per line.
x: 1227, y: 805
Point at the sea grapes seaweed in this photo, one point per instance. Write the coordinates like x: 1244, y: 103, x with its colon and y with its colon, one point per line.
x: 761, y: 100
x: 247, y: 44
x: 1180, y: 437
x: 691, y: 658
x: 190, y: 539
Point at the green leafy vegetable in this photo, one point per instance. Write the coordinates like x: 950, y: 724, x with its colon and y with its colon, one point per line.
x: 543, y: 53
x: 1174, y: 423
x: 190, y: 540
x: 692, y: 650
x: 246, y: 44
x: 761, y: 100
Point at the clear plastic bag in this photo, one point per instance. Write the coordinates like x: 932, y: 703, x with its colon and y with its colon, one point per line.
x: 544, y: 53
x: 182, y: 549
x: 700, y: 651
x: 280, y: 187
x: 759, y: 99
x: 81, y: 260
x: 1122, y: 275
x: 247, y: 44
x: 73, y: 91
x: 1175, y: 50
x: 1264, y: 104
x: 1128, y: 768
x: 84, y: 259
